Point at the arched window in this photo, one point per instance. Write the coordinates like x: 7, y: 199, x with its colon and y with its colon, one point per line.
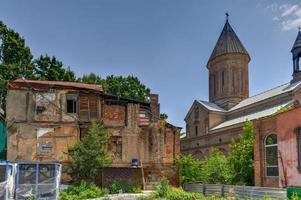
x: 271, y: 155
x: 223, y: 82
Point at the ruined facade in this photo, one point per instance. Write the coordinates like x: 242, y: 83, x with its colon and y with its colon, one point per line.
x: 216, y: 123
x: 45, y: 118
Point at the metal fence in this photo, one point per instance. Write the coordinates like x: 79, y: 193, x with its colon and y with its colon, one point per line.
x: 241, y: 192
x: 19, y: 181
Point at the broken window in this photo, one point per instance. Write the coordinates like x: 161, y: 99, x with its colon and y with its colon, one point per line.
x: 71, y: 103
x: 115, y: 147
x: 43, y: 101
x: 144, y: 118
x: 271, y: 155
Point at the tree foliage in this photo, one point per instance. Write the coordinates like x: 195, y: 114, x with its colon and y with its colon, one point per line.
x: 241, y: 159
x: 51, y: 69
x: 236, y: 168
x: 215, y: 168
x: 189, y: 169
x: 163, y: 116
x: 212, y: 169
x: 90, y: 79
x: 89, y: 155
x: 129, y: 87
x: 15, y: 56
x: 16, y: 61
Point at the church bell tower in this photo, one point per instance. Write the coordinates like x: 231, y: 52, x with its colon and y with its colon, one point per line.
x: 228, y: 70
x: 296, y: 51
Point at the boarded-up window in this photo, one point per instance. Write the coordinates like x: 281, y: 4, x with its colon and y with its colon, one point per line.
x: 115, y: 147
x: 144, y: 118
x: 84, y: 108
x: 93, y: 107
x: 89, y: 107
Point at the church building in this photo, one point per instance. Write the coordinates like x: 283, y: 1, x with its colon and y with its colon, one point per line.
x: 215, y: 123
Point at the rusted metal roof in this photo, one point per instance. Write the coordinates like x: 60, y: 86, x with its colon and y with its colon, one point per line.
x: 228, y: 42
x: 46, y: 85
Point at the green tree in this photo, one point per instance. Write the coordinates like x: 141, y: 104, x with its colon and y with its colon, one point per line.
x: 89, y: 155
x: 91, y: 79
x: 51, y: 69
x: 241, y: 159
x: 163, y: 116
x: 215, y: 168
x: 129, y: 87
x: 15, y: 56
x: 15, y: 59
x: 189, y: 169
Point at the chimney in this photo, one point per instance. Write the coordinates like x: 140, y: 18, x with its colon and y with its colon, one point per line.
x: 155, y: 107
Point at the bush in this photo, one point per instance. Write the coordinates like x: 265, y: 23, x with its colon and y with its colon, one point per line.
x: 82, y: 190
x: 189, y: 169
x: 164, y: 190
x: 117, y: 187
x: 212, y: 169
x: 237, y: 167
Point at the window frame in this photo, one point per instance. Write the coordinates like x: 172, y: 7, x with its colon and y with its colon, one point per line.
x: 265, y: 155
x: 75, y: 101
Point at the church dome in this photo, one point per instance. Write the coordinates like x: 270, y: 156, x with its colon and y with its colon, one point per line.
x: 228, y: 42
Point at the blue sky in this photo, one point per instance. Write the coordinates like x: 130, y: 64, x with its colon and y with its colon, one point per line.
x: 166, y: 43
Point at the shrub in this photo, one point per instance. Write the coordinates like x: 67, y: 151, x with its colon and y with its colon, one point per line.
x: 180, y: 194
x: 82, y: 190
x: 89, y: 155
x: 117, y: 187
x: 162, y: 188
x: 189, y: 169
x: 240, y: 159
x: 31, y: 198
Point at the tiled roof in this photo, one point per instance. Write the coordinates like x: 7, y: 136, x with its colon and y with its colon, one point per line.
x: 228, y: 42
x: 297, y: 42
x: 267, y: 94
x: 211, y: 106
x: 45, y: 85
x: 256, y: 115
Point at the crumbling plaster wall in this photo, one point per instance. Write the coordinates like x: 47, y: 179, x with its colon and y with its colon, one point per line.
x: 47, y: 134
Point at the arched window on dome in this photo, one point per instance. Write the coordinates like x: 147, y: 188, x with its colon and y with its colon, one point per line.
x: 271, y: 155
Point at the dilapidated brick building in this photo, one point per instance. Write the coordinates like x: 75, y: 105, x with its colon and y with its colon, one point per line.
x: 44, y: 118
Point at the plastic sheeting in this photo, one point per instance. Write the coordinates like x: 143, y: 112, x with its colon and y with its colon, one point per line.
x: 40, y: 180
x: 7, y: 178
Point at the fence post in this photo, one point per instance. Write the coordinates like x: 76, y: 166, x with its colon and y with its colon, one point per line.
x: 204, y: 189
x: 243, y: 191
x: 223, y: 190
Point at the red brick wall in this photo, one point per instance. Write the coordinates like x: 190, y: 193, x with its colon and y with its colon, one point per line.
x: 262, y: 128
x: 283, y: 125
x: 114, y: 115
x: 287, y: 147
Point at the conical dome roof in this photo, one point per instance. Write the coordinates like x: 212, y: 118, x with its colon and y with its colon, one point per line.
x: 228, y: 42
x: 297, y: 42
